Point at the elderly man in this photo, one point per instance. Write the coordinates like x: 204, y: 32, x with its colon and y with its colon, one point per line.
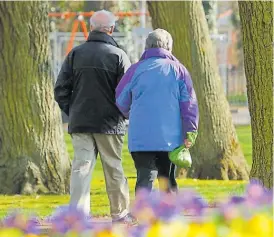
x: 85, y: 91
x: 157, y: 95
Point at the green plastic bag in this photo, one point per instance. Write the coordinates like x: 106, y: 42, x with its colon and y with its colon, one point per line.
x: 181, y: 155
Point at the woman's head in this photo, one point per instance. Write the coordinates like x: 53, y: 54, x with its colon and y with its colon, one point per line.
x: 159, y: 38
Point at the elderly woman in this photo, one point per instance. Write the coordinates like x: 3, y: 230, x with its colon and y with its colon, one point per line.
x: 157, y: 96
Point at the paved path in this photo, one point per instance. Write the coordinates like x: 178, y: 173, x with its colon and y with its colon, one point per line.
x: 46, y: 227
x: 240, y: 116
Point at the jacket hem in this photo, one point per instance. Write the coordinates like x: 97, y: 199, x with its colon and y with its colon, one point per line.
x: 86, y: 130
x: 151, y: 150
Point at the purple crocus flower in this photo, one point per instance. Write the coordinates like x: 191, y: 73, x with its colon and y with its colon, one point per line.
x: 138, y: 231
x: 165, y: 206
x: 69, y: 218
x: 28, y: 225
x: 33, y: 227
x: 268, y: 197
x: 255, y: 191
x: 185, y: 197
x: 229, y: 212
x: 144, y: 200
x: 190, y: 201
x: 237, y: 200
x: 158, y: 204
x: 197, y: 206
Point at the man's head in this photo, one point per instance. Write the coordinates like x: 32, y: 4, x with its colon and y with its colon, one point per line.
x: 159, y: 38
x: 103, y: 21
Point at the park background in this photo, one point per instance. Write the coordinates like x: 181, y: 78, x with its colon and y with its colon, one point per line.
x: 36, y: 167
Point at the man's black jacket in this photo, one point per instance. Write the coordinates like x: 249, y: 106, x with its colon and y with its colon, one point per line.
x: 85, y: 87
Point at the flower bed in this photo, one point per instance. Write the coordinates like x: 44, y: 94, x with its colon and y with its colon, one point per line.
x: 161, y: 215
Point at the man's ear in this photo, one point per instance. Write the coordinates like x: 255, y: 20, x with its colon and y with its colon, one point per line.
x: 111, y: 29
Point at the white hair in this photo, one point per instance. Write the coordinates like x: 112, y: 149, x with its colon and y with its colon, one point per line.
x: 159, y: 38
x: 102, y: 20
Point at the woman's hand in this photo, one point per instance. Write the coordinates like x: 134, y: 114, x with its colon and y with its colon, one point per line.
x: 187, y: 143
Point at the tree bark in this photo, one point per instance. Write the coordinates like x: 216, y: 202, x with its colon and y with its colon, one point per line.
x: 210, y: 9
x: 217, y: 153
x: 33, y: 157
x: 257, y: 30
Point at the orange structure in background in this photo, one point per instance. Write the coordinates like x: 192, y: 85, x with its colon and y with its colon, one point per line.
x: 79, y: 19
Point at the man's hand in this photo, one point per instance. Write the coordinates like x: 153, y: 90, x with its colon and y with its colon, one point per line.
x: 187, y: 143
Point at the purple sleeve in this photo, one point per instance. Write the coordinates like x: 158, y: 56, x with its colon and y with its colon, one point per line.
x: 123, y: 91
x: 188, y: 102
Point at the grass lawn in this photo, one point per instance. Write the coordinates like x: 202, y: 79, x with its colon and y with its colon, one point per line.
x: 44, y: 205
x: 244, y: 135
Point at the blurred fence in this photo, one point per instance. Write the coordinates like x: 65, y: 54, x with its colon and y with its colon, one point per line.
x: 131, y: 44
x: 236, y: 88
x: 233, y: 81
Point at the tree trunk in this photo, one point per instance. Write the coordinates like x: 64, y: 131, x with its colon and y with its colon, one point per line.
x: 33, y: 157
x: 257, y: 28
x: 217, y: 153
x: 211, y: 12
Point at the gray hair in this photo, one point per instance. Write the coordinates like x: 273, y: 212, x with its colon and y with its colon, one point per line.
x: 159, y: 38
x: 102, y: 20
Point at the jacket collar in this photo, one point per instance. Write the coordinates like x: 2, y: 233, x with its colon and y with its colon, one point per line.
x: 101, y: 37
x: 158, y: 52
